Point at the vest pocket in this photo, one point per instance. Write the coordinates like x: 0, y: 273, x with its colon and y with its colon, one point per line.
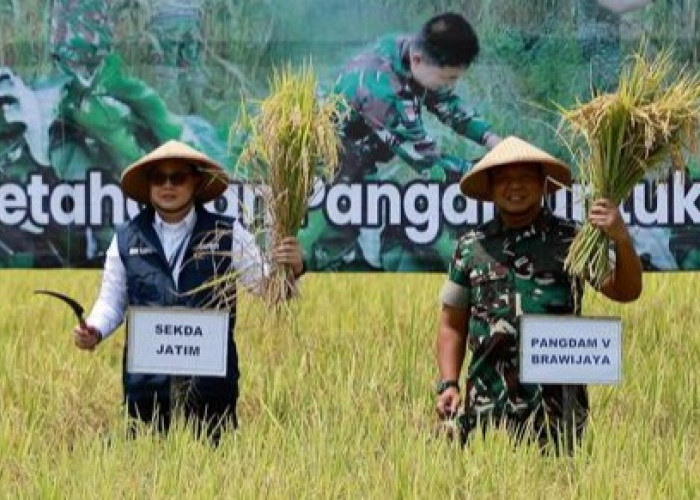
x: 143, y: 288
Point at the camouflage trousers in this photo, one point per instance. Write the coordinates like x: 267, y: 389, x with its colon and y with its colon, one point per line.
x: 552, y: 420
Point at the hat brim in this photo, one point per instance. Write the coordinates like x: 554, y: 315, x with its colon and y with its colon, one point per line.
x: 478, y: 186
x: 135, y: 183
x: 476, y: 183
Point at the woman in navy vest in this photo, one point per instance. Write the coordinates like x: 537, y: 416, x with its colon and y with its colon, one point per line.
x: 161, y: 258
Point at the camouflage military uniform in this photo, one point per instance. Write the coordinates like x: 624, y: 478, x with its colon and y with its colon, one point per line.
x: 108, y: 118
x: 504, y: 273
x: 385, y: 118
x: 82, y: 46
x: 176, y: 26
x: 81, y: 34
x: 384, y: 122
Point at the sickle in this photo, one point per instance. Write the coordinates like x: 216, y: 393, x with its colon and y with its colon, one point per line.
x: 77, y: 308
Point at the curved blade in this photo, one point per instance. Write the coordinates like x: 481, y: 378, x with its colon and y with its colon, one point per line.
x: 72, y: 303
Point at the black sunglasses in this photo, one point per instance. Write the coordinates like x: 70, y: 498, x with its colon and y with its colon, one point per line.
x: 176, y: 178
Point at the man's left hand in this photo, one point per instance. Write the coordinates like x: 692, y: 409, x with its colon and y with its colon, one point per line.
x: 289, y: 252
x: 606, y: 216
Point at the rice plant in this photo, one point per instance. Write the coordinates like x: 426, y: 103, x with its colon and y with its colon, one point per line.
x: 640, y: 131
x: 291, y: 141
x: 339, y: 403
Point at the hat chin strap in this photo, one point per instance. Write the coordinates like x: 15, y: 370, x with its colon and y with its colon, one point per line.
x: 549, y: 178
x: 200, y: 187
x: 545, y: 192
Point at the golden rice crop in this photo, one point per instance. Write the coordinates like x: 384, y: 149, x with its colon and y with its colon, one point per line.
x: 291, y: 141
x: 338, y: 404
x: 640, y: 131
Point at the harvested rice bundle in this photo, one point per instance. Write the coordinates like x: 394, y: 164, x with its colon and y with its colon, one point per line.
x: 290, y: 142
x: 640, y: 131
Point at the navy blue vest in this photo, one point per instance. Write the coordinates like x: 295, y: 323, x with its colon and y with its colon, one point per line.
x: 149, y: 283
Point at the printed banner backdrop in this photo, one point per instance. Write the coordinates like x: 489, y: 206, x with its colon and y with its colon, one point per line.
x: 87, y: 87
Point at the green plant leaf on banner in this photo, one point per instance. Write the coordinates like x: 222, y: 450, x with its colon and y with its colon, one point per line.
x: 70, y: 161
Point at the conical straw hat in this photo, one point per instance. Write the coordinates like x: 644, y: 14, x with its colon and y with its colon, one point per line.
x: 475, y: 183
x: 135, y: 177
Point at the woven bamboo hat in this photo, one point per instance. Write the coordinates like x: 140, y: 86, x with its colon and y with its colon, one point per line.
x: 135, y: 177
x: 475, y: 183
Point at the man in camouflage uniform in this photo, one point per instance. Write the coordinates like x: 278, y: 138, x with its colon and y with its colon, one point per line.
x: 81, y: 35
x: 387, y: 88
x: 109, y: 117
x: 176, y: 29
x: 510, y: 266
x: 82, y: 47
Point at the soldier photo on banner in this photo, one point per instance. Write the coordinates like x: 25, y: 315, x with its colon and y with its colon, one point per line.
x: 176, y: 53
x: 386, y: 88
x: 95, y: 115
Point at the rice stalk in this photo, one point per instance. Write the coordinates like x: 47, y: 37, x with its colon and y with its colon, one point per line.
x: 291, y: 140
x: 640, y: 131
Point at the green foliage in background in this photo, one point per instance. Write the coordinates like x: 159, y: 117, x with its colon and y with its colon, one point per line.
x: 531, y: 55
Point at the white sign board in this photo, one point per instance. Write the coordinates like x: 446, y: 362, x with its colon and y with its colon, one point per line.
x: 570, y: 350
x: 177, y: 341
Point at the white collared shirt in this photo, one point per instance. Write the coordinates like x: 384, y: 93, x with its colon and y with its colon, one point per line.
x: 174, y: 237
x: 109, y: 309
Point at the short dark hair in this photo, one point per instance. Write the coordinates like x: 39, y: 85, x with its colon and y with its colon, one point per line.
x: 448, y: 40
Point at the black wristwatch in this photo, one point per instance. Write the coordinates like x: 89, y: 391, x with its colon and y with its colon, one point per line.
x: 443, y: 385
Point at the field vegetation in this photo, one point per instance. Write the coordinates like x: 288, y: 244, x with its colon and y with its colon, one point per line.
x: 337, y: 402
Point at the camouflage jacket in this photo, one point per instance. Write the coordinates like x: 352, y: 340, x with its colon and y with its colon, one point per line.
x: 82, y: 32
x: 504, y: 273
x: 176, y: 29
x: 386, y: 104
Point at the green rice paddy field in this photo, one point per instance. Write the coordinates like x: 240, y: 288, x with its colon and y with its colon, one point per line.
x: 337, y: 402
